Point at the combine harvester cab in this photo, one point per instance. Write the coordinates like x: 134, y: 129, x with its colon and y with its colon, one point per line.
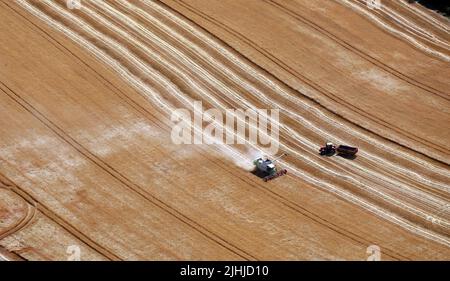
x: 267, y: 170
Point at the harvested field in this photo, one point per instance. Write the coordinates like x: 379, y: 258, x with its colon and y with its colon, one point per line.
x: 87, y: 161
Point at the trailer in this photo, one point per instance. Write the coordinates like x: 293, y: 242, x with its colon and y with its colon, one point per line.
x: 345, y: 150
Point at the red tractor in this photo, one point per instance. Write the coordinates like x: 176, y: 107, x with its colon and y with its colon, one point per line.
x: 329, y: 149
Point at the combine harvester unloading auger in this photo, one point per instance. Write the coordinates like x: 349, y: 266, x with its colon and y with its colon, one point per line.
x: 267, y: 170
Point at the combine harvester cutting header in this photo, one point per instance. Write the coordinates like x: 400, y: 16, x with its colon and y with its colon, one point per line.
x: 267, y: 170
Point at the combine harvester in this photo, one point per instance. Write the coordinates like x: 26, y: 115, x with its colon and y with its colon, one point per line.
x: 267, y: 170
x: 343, y: 150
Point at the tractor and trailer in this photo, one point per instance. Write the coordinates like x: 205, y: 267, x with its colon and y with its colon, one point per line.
x: 267, y: 170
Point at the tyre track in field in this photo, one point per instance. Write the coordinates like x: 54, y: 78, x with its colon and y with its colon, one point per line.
x: 361, y: 54
x: 361, y: 9
x: 434, y: 32
x: 308, y: 214
x: 426, y: 17
x: 99, y: 19
x: 296, y: 116
x: 325, y: 92
x: 137, y: 43
x: 172, y: 211
x: 204, y: 231
x: 402, y: 22
x: 402, y: 257
x: 148, y: 115
x: 336, y: 99
x: 124, y: 180
x: 189, y: 26
x: 114, y: 89
x: 24, y: 221
x: 128, y: 100
x: 420, y: 178
x: 111, y: 43
x: 10, y: 255
x: 58, y: 220
x: 298, y: 208
x: 222, y: 106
